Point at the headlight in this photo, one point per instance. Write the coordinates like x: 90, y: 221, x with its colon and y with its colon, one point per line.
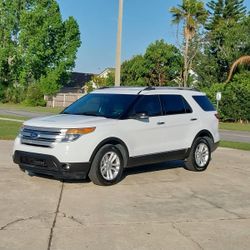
x: 20, y: 131
x: 73, y: 134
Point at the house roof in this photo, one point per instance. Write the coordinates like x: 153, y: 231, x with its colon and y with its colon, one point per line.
x: 77, y: 80
x: 107, y: 69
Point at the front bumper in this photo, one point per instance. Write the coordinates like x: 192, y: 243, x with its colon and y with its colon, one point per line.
x: 50, y: 165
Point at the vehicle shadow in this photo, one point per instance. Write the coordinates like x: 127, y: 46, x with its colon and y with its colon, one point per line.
x: 70, y: 181
x: 153, y: 168
x: 127, y: 171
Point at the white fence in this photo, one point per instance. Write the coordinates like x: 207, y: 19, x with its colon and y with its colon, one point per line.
x: 62, y: 99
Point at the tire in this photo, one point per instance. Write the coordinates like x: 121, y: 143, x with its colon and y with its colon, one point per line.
x: 107, y: 166
x: 200, y: 155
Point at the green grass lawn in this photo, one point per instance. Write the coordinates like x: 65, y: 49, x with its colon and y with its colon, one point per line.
x: 12, y: 106
x: 235, y: 145
x: 9, y: 129
x: 235, y: 126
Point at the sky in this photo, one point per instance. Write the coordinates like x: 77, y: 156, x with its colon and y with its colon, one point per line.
x: 144, y: 21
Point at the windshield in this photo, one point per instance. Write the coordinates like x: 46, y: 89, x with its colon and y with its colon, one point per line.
x: 104, y: 105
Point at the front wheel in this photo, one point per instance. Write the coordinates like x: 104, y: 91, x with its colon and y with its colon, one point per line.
x: 107, y: 166
x: 200, y: 155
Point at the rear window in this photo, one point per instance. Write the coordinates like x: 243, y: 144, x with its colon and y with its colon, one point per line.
x: 204, y: 102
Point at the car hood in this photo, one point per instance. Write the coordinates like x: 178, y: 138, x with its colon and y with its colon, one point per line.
x: 65, y: 121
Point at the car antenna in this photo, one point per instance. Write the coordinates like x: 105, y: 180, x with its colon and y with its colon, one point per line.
x: 147, y: 88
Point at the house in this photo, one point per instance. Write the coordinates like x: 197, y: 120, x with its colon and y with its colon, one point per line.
x: 74, y: 89
x: 94, y: 83
x: 105, y: 72
x: 76, y: 82
x: 71, y: 91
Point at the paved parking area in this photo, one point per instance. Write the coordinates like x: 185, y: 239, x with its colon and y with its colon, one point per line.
x: 154, y: 207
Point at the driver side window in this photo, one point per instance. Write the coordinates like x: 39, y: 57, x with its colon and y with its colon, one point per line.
x: 148, y: 104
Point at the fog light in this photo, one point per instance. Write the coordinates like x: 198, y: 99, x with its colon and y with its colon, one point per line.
x: 66, y: 166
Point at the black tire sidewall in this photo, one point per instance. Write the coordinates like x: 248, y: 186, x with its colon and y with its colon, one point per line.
x: 196, y: 143
x: 97, y: 160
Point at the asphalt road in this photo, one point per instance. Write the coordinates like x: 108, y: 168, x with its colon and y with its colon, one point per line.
x: 22, y: 113
x: 154, y: 207
x: 237, y: 136
x: 226, y: 135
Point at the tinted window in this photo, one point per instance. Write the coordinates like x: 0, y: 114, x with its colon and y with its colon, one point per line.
x: 148, y: 104
x: 105, y: 105
x: 204, y: 103
x: 174, y: 104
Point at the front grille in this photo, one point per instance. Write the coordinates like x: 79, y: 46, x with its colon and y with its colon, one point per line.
x: 43, y: 137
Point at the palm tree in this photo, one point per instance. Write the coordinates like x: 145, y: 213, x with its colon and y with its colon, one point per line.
x: 193, y: 14
x: 239, y: 61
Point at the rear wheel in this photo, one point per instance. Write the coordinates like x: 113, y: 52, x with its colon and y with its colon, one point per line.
x: 107, y: 166
x: 200, y: 155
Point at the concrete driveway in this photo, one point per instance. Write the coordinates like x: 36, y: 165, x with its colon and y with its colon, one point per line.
x: 154, y: 207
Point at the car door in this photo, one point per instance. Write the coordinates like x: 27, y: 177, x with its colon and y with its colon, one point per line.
x: 145, y: 135
x: 179, y: 122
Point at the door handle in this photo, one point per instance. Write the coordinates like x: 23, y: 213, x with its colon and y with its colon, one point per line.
x: 160, y: 123
x: 193, y: 119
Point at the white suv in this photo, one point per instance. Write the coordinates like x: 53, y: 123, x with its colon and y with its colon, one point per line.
x: 115, y: 128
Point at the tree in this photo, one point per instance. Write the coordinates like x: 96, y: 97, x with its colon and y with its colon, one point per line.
x: 36, y: 46
x: 223, y: 10
x: 193, y: 15
x: 162, y: 62
x: 226, y: 39
x: 239, y: 61
x: 133, y: 71
x: 160, y: 65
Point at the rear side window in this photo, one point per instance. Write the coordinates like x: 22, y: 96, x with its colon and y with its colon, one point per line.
x: 174, y: 104
x: 204, y: 102
x: 148, y: 104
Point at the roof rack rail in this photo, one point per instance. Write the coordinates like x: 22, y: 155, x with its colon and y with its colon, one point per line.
x: 170, y: 87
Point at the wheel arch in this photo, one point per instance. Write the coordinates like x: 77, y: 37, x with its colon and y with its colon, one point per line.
x: 113, y: 141
x: 202, y: 133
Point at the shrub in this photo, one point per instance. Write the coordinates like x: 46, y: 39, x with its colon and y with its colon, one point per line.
x: 15, y: 94
x: 35, y: 96
x: 235, y: 102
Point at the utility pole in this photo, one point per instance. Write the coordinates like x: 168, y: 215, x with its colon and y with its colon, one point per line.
x: 119, y: 46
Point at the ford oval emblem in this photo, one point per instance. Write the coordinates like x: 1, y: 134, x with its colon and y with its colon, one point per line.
x: 34, y: 135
